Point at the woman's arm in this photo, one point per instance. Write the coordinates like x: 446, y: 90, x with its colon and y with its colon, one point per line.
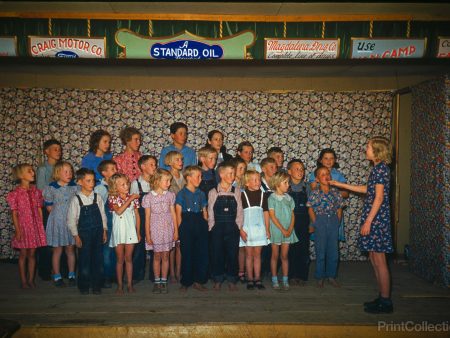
x: 378, y: 200
x: 361, y: 189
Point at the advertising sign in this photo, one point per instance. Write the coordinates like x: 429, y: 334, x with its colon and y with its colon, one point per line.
x: 282, y: 49
x: 184, y: 46
x: 387, y: 48
x: 66, y: 47
x: 443, y: 48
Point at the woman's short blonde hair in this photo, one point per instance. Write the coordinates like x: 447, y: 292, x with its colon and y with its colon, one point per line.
x: 381, y: 149
x: 277, y: 178
x: 56, y: 174
x: 112, y: 183
x: 170, y: 156
x: 155, y: 179
x: 249, y: 173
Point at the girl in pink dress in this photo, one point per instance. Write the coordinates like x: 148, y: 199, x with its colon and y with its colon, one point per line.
x: 26, y: 204
x: 161, y: 231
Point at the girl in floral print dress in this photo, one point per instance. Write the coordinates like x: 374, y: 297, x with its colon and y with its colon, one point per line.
x: 375, y: 233
x: 26, y: 205
x: 126, y: 227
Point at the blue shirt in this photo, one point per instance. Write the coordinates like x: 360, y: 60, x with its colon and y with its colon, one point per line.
x: 90, y: 161
x: 191, y: 201
x: 44, y: 175
x: 336, y: 175
x: 189, y: 156
x: 325, y: 204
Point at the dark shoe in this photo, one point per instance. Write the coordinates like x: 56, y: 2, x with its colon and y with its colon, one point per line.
x: 250, y: 286
x: 97, y: 292
x: 72, y: 282
x: 380, y: 307
x: 259, y: 285
x: 84, y: 292
x: 372, y: 303
x: 242, y: 279
x: 59, y: 283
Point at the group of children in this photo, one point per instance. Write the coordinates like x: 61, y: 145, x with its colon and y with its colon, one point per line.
x: 197, y: 216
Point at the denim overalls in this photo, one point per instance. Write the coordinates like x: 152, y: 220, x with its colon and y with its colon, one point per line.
x: 299, y: 252
x: 193, y: 242
x: 139, y: 253
x: 225, y: 239
x: 109, y: 254
x: 90, y: 257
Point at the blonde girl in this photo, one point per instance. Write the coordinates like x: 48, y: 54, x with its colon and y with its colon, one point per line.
x: 125, y: 227
x: 57, y: 196
x: 26, y: 202
x: 375, y: 234
x: 161, y: 231
x: 282, y: 219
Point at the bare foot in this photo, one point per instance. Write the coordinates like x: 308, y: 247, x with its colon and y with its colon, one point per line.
x: 119, y: 290
x: 232, y: 287
x: 173, y: 280
x: 24, y: 286
x: 334, y: 282
x: 131, y: 289
x: 320, y: 283
x: 199, y: 287
x: 31, y: 284
x: 183, y: 289
x: 217, y: 286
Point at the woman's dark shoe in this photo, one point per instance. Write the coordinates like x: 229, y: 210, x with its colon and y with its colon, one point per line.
x: 382, y: 306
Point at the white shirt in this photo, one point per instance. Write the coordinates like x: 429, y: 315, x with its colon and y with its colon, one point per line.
x: 73, y: 214
x: 134, y: 189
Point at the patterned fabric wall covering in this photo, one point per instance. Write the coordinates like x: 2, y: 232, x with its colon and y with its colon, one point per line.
x: 430, y: 191
x: 301, y: 123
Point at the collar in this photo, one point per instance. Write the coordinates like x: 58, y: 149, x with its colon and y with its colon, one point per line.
x: 154, y: 193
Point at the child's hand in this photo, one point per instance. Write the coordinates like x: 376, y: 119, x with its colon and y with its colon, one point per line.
x: 175, y: 236
x: 78, y: 242
x: 365, y: 229
x: 285, y: 233
x: 311, y: 229
x: 133, y: 197
x: 105, y: 236
x: 148, y: 240
x: 139, y: 237
x: 18, y: 236
x: 268, y: 234
x: 243, y: 235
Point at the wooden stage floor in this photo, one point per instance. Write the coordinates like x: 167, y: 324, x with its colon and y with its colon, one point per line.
x: 415, y: 300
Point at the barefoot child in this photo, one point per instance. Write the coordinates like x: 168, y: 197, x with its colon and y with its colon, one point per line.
x: 87, y: 222
x: 26, y: 204
x: 192, y: 219
x: 325, y: 211
x: 126, y: 224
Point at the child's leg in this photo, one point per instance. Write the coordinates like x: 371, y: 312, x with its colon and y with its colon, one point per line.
x: 249, y: 253
x: 165, y: 264
x: 178, y: 261
x: 382, y: 272
x: 371, y: 259
x: 70, y: 253
x: 120, y: 254
x: 129, y: 265
x: 242, y: 263
x: 285, y: 259
x: 274, y: 260
x: 157, y: 265
x: 56, y: 256
x: 31, y: 256
x: 257, y: 262
x: 22, y: 270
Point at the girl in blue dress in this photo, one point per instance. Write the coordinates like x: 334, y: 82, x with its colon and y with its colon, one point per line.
x: 375, y: 234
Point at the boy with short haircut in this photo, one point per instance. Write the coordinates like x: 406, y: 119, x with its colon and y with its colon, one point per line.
x: 53, y: 152
x: 127, y: 161
x: 225, y: 219
x: 148, y: 165
x: 107, y: 168
x: 192, y: 216
x: 174, y: 160
x: 269, y: 168
x: 86, y: 220
x: 207, y: 156
x: 278, y: 155
x: 178, y: 133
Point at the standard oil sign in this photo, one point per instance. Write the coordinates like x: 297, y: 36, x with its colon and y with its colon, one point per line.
x: 66, y: 47
x: 363, y: 48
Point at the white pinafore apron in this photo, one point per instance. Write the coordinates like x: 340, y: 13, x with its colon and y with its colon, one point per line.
x: 254, y: 225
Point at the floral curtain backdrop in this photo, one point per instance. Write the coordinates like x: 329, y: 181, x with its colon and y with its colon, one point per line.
x: 301, y: 123
x: 430, y: 198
